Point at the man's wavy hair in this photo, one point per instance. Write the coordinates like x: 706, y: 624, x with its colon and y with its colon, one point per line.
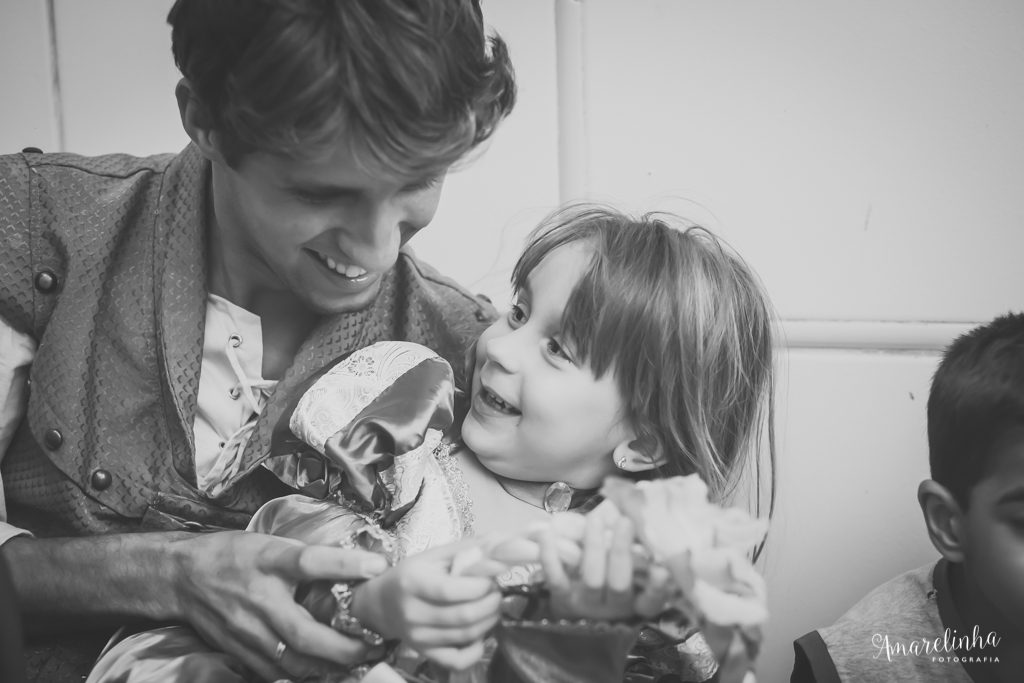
x: 976, y: 403
x: 687, y: 330
x: 415, y: 84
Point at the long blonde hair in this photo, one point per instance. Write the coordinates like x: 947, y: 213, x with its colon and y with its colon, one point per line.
x: 686, y: 328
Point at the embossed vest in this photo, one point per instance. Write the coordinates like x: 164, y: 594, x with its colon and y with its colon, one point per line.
x: 102, y: 262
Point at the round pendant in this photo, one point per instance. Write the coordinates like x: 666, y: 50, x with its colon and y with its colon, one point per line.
x: 558, y: 497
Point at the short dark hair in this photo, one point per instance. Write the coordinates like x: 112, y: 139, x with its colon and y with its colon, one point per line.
x: 415, y: 84
x: 976, y: 403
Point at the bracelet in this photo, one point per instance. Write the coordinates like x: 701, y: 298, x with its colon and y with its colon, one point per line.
x: 345, y: 622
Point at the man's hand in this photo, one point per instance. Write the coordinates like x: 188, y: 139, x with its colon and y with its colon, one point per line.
x: 237, y: 590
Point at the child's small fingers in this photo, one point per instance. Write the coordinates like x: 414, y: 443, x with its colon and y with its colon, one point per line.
x: 593, y: 568
x: 569, y: 552
x: 445, y: 589
x: 457, y: 615
x: 420, y: 636
x: 461, y: 634
x: 486, y: 568
x: 513, y: 550
x: 551, y: 563
x: 620, y: 557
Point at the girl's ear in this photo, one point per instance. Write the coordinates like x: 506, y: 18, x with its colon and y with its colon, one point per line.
x: 944, y: 519
x: 195, y: 119
x: 638, y: 455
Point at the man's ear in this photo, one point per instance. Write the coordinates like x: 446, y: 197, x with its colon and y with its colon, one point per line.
x: 637, y: 455
x: 944, y: 518
x: 197, y: 121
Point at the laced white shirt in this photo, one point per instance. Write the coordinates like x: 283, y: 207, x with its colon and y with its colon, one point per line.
x: 232, y: 393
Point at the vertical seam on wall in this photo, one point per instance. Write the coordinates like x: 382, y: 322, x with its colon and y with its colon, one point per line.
x: 573, y: 178
x: 58, y: 106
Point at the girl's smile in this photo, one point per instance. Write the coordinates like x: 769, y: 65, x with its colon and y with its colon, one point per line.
x: 491, y: 402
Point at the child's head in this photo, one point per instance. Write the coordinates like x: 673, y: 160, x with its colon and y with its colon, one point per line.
x: 974, y: 502
x: 635, y: 346
x: 413, y: 86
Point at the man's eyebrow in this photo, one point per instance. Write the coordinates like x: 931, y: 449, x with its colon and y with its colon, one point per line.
x: 1012, y: 496
x: 321, y: 189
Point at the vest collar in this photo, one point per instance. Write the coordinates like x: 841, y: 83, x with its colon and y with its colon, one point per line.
x: 181, y: 280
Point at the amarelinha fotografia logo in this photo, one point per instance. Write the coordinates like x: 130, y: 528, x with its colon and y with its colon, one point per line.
x: 951, y: 647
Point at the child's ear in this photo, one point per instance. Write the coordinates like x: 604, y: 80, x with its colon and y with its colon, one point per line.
x: 944, y: 519
x: 197, y: 121
x: 638, y: 455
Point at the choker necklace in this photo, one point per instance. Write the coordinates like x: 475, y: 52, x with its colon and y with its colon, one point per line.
x: 557, y: 497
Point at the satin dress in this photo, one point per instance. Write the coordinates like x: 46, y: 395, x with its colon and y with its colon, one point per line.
x: 368, y: 445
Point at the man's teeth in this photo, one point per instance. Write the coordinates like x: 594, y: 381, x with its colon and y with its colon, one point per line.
x: 351, y: 272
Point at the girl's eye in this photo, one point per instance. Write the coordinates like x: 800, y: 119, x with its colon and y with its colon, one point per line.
x: 516, y: 315
x: 553, y: 347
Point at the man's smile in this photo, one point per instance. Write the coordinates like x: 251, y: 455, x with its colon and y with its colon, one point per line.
x: 351, y: 273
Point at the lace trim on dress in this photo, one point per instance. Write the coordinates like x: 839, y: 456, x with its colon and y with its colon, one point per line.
x: 462, y: 503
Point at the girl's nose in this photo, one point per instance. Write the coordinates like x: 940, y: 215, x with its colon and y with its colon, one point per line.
x: 502, y: 349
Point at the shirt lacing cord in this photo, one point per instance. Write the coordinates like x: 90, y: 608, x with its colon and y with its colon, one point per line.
x: 255, y: 392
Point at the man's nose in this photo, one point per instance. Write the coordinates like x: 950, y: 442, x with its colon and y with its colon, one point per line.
x: 374, y: 242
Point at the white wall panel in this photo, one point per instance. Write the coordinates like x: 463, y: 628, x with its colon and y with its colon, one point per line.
x: 488, y: 208
x: 852, y: 448
x: 27, y: 117
x: 866, y: 157
x: 117, y: 77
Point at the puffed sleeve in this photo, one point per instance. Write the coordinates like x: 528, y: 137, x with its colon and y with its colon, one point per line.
x: 362, y: 431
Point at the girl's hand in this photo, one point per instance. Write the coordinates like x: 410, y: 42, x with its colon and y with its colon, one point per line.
x: 419, y: 601
x: 595, y: 570
x: 601, y: 585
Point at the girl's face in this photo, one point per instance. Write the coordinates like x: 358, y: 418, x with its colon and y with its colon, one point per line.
x: 537, y: 412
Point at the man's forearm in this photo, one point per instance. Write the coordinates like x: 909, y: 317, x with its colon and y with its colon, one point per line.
x: 128, y: 575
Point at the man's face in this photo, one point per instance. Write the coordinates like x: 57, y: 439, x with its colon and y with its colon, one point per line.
x: 321, y: 227
x: 994, y: 534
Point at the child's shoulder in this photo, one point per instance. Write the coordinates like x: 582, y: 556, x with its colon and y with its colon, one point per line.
x: 881, y: 637
x: 904, y: 597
